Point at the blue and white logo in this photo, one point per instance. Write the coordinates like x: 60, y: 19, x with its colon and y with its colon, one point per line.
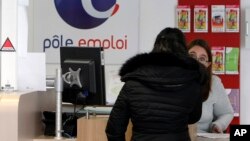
x: 86, y: 14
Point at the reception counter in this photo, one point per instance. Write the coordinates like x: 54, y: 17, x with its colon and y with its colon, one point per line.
x: 21, y: 115
x: 93, y: 129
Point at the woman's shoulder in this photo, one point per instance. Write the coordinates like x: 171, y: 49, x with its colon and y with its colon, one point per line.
x: 216, y: 79
x: 217, y: 85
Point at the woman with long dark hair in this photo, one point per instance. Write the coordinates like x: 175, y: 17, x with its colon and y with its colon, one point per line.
x: 217, y: 111
x: 162, y: 93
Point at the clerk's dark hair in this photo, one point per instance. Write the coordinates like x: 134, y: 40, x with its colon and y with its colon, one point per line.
x: 171, y: 40
x: 204, y: 44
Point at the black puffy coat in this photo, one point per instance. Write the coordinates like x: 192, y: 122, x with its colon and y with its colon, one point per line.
x: 161, y: 96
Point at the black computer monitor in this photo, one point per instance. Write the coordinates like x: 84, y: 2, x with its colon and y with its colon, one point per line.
x: 83, y: 75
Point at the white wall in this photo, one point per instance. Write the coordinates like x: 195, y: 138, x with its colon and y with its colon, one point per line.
x: 154, y: 16
x: 8, y: 60
x: 244, y: 70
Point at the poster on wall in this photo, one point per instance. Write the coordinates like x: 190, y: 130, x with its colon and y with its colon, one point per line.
x: 111, y: 24
x: 218, y: 18
x: 232, y: 60
x: 200, y: 18
x: 234, y: 97
x: 183, y: 17
x: 232, y: 18
x: 218, y: 59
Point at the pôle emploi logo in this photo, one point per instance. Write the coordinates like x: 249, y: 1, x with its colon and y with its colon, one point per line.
x: 86, y: 14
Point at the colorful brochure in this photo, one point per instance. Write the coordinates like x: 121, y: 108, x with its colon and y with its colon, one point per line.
x: 218, y: 18
x: 218, y: 60
x: 183, y: 17
x: 234, y: 97
x: 200, y: 18
x: 232, y: 60
x: 232, y: 18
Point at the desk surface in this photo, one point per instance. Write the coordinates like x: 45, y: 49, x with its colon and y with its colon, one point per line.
x: 209, y: 139
x: 107, y: 110
x: 212, y: 137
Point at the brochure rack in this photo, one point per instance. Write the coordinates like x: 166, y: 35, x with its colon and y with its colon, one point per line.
x: 226, y: 39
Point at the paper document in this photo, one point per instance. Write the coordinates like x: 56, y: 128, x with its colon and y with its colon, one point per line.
x: 113, y: 84
x: 31, y: 72
x: 213, y: 135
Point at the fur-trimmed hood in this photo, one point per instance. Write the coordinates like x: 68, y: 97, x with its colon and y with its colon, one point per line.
x: 161, y: 68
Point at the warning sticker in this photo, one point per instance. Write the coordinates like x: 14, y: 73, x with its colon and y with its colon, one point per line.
x: 7, y: 46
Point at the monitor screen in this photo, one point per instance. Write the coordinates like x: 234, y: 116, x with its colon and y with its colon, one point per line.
x: 83, y: 75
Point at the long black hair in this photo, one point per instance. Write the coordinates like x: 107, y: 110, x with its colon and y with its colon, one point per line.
x: 171, y: 40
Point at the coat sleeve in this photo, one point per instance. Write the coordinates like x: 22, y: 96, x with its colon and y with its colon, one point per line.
x: 119, y: 117
x: 195, y: 115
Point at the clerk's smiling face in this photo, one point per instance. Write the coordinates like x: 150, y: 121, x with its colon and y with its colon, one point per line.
x: 200, y: 54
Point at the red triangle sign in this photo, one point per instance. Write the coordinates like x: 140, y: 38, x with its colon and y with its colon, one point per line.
x: 7, y: 46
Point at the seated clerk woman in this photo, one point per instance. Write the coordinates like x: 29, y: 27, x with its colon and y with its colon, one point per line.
x: 217, y: 111
x: 161, y: 94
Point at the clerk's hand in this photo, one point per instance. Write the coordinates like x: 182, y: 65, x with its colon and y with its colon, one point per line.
x: 216, y: 129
